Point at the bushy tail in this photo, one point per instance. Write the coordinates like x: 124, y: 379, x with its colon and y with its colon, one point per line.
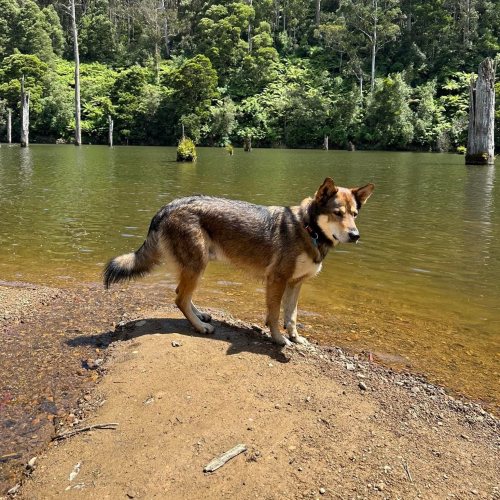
x: 134, y: 264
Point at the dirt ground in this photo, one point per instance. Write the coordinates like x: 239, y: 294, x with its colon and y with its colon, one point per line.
x: 318, y: 423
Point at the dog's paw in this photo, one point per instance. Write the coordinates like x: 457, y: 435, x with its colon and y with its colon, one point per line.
x: 205, y: 328
x: 299, y: 340
x: 281, y: 340
x: 206, y: 318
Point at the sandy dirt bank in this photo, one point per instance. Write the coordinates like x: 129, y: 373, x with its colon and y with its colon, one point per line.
x: 318, y: 423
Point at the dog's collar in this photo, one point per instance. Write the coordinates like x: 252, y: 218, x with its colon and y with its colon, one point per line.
x: 317, y: 235
x: 313, y: 234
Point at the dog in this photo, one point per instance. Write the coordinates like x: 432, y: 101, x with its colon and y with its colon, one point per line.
x: 282, y: 246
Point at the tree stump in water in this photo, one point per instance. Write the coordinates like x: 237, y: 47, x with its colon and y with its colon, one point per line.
x: 110, y: 131
x: 25, y: 115
x: 481, y: 141
x: 9, y: 126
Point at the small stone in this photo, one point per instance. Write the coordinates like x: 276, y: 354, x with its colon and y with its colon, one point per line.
x: 474, y: 492
x: 130, y: 494
x: 277, y: 407
x: 322, y: 491
x: 350, y: 366
x: 362, y: 386
x: 87, y: 397
x: 257, y: 328
x: 257, y: 453
x: 360, y: 375
x: 379, y: 486
x: 308, y: 399
x: 31, y: 463
x: 175, y: 344
x: 300, y: 469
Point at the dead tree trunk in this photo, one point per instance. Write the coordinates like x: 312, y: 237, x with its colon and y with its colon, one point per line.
x: 25, y: 116
x: 325, y: 143
x: 318, y: 12
x: 78, y: 128
x: 481, y: 141
x: 247, y: 145
x: 9, y: 126
x: 110, y: 133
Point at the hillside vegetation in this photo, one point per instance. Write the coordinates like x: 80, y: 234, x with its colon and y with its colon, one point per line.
x: 383, y: 74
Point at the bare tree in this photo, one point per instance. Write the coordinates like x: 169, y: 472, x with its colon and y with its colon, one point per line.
x: 318, y: 11
x: 481, y: 141
x: 110, y: 132
x: 9, y: 126
x: 25, y: 116
x: 376, y: 21
x: 78, y: 128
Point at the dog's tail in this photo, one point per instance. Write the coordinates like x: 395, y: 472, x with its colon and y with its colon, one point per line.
x: 135, y: 264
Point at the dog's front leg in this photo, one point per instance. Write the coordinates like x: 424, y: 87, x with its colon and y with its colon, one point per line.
x: 274, y: 294
x: 290, y: 299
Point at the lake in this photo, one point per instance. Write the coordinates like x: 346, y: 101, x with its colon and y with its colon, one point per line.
x: 421, y: 290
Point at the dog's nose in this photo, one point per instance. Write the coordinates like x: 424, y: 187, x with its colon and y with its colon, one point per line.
x: 354, y: 235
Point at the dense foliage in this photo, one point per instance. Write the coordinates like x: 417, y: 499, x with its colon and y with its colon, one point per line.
x: 387, y: 74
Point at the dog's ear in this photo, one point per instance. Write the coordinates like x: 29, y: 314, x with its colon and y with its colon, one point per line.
x: 326, y: 190
x: 362, y: 193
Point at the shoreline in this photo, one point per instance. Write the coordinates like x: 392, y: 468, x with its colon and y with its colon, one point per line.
x: 330, y: 377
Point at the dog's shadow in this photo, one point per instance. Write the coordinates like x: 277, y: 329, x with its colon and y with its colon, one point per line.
x: 240, y: 339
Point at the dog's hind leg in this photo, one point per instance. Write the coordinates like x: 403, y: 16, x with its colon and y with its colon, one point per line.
x: 290, y: 299
x: 187, y: 285
x: 274, y: 293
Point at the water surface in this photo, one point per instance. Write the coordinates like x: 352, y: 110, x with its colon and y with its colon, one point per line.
x: 421, y: 290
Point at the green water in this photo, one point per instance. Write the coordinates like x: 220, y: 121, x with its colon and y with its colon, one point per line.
x: 421, y: 290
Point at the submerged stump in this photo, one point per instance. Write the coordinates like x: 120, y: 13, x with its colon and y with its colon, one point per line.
x: 481, y: 141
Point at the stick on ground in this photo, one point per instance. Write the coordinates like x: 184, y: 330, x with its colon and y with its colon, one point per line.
x: 84, y: 429
x: 225, y: 457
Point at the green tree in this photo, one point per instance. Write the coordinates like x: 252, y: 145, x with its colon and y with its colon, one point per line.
x: 389, y: 120
x: 31, y: 32
x: 9, y: 11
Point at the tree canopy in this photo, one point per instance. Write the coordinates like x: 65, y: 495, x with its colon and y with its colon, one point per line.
x: 389, y: 74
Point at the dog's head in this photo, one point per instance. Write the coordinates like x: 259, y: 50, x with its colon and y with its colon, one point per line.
x: 338, y: 207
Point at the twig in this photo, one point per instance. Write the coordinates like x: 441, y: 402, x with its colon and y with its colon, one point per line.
x: 84, y: 429
x: 225, y: 457
x: 407, y: 470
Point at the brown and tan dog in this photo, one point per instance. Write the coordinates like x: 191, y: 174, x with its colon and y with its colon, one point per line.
x: 280, y: 245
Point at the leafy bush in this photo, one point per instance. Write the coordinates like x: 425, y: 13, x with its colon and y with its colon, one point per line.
x: 186, y: 151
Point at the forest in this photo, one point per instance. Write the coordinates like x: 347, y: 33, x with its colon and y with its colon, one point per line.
x: 384, y: 74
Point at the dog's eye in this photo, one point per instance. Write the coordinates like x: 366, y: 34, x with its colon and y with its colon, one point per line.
x: 338, y: 212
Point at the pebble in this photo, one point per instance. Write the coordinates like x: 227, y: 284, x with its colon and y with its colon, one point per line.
x: 379, y: 486
x: 175, y: 344
x: 350, y: 366
x: 322, y: 491
x: 362, y: 386
x: 308, y: 399
x: 31, y: 463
